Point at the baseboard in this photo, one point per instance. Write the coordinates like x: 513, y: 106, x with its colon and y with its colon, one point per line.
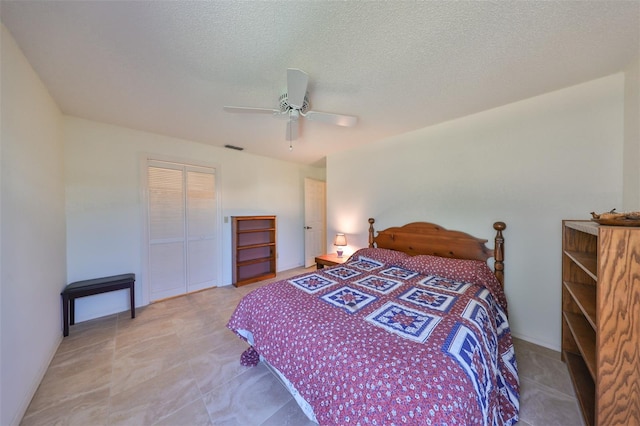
x: 536, y: 341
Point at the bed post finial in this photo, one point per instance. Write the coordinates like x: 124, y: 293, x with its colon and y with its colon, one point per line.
x: 371, y: 222
x: 499, y: 251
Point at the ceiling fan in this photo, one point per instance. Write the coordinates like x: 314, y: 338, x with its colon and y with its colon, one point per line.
x: 294, y: 103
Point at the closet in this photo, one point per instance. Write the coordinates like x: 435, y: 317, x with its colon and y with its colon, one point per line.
x: 182, y: 229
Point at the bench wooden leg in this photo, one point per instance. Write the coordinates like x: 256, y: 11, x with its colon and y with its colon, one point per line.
x: 133, y: 301
x: 72, y: 310
x: 65, y: 315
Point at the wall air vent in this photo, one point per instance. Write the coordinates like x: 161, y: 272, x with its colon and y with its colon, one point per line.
x: 237, y: 148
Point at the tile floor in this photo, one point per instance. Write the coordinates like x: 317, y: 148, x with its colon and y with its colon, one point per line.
x: 177, y: 364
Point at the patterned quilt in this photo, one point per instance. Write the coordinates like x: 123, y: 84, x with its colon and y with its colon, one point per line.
x: 383, y: 340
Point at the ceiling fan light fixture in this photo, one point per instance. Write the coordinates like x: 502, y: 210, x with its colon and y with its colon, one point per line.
x: 295, y: 103
x: 286, y: 107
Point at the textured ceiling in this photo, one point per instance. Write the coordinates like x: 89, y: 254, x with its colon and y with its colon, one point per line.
x: 168, y: 67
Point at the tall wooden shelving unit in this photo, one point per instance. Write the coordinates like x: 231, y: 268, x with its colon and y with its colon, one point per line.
x: 254, y: 248
x: 601, y: 319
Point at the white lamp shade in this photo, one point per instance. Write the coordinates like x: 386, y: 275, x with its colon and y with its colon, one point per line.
x: 340, y: 240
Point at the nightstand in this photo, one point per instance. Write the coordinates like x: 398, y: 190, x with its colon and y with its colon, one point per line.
x: 331, y: 259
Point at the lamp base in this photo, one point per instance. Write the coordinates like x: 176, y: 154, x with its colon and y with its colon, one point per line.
x: 339, y: 253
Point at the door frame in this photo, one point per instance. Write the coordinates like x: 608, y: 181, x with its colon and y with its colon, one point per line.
x: 143, y: 159
x: 323, y: 230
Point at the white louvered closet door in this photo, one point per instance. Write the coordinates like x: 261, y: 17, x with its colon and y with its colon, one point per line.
x: 201, y: 230
x: 182, y: 229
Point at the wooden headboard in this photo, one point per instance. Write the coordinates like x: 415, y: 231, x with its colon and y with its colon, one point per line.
x: 428, y: 238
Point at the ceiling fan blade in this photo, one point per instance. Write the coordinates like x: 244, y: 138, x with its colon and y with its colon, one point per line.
x: 327, y: 117
x: 297, y: 81
x: 251, y: 110
x: 292, y: 130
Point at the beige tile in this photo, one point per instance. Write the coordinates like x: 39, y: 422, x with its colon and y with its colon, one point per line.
x: 216, y: 297
x: 74, y: 374
x: 540, y: 405
x: 133, y: 337
x: 289, y: 415
x: 194, y: 414
x: 59, y: 386
x: 85, y: 358
x: 196, y: 324
x: 154, y: 399
x: 147, y: 317
x: 85, y: 409
x: 545, y: 370
x: 523, y: 345
x: 163, y: 310
x: 237, y: 401
x: 221, y: 339
x: 217, y: 367
x: 138, y: 363
x: 225, y: 317
x: 89, y: 333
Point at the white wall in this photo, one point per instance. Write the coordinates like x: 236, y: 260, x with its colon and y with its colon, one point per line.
x: 104, y: 207
x: 631, y: 166
x: 32, y: 233
x: 530, y: 164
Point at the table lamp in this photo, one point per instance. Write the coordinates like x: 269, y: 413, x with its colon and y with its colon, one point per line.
x: 340, y: 242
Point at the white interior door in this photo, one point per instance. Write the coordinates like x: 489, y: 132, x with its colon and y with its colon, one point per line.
x: 182, y: 220
x: 314, y: 220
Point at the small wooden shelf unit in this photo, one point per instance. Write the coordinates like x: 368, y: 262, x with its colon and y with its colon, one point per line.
x: 601, y: 319
x: 254, y: 248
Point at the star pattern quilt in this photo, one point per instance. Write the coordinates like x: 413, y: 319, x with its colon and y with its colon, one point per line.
x: 384, y: 341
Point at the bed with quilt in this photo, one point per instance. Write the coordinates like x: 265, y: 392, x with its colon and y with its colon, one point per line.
x: 412, y: 330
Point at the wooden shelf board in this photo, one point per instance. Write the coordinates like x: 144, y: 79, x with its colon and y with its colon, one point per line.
x: 588, y: 262
x: 256, y: 260
x: 248, y: 231
x: 255, y: 279
x: 583, y: 384
x: 586, y: 226
x: 585, y: 297
x: 585, y: 338
x: 258, y: 245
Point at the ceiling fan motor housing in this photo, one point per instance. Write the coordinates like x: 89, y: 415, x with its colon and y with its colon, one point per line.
x: 285, y: 107
x: 297, y: 106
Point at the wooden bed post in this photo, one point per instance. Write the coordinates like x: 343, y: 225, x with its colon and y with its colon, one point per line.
x: 499, y: 251
x: 371, y: 221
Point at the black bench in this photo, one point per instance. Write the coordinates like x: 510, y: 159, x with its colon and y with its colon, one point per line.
x: 91, y: 287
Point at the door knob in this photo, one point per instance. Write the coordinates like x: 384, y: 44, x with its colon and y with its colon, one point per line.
x: 307, y: 227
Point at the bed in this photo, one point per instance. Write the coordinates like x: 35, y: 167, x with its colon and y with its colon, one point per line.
x: 411, y: 330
